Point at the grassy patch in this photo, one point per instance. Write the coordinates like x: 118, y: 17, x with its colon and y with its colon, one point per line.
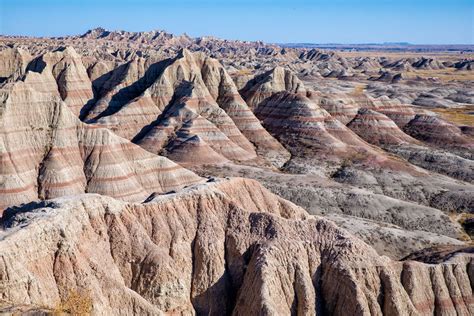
x: 467, y: 222
x: 242, y: 72
x: 76, y: 303
x: 445, y: 75
x: 358, y: 90
x: 457, y: 116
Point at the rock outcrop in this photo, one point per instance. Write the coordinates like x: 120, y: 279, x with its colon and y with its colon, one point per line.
x: 266, y: 85
x: 378, y: 129
x: 46, y: 152
x: 93, y: 218
x: 225, y: 247
x: 72, y: 80
x: 194, y: 87
x: 297, y: 121
x: 13, y: 63
x: 434, y: 130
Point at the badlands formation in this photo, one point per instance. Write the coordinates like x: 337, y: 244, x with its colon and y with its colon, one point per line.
x: 149, y: 174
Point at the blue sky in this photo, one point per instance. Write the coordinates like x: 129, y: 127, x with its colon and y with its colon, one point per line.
x: 316, y: 21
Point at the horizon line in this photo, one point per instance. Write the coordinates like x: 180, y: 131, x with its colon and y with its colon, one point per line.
x: 400, y: 43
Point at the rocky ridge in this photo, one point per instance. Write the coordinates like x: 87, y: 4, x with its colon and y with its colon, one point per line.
x: 48, y: 152
x: 232, y: 240
x: 335, y: 134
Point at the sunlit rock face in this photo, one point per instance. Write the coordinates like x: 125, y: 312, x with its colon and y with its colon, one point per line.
x: 146, y: 173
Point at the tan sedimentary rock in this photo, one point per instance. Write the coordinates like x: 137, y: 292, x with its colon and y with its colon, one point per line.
x: 296, y: 120
x: 398, y: 112
x: 376, y: 128
x: 73, y: 83
x: 343, y: 109
x: 183, y: 78
x: 427, y: 63
x: 132, y: 117
x: 434, y: 130
x: 193, y: 86
x: 276, y: 80
x: 289, y: 111
x: 13, y: 63
x: 195, y: 114
x: 47, y: 152
x: 224, y: 91
x: 225, y: 247
x: 193, y: 151
x: 43, y: 82
x: 207, y: 250
x: 379, y: 130
x: 100, y: 70
x: 133, y: 101
x: 114, y: 89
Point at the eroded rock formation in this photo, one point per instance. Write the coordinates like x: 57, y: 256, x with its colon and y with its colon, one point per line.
x: 226, y: 247
x: 377, y: 147
x: 47, y: 152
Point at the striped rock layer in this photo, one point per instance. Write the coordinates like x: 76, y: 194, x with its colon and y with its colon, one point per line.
x: 46, y: 152
x: 185, y: 120
x: 288, y: 110
x: 211, y: 98
x: 13, y: 63
x: 269, y: 83
x: 112, y: 89
x: 70, y: 77
x: 376, y: 128
x: 229, y: 247
x: 296, y: 120
x: 345, y: 107
x: 434, y: 130
x: 131, y: 98
x: 343, y: 110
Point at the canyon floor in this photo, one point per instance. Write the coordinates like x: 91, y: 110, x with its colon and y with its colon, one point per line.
x: 147, y: 173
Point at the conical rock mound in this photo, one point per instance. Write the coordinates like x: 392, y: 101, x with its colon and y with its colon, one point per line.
x: 378, y: 129
x: 193, y: 151
x: 267, y: 84
x: 13, y: 63
x: 70, y: 74
x: 434, y: 130
x: 197, y: 114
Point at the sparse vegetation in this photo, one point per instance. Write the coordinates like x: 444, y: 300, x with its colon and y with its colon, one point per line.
x: 445, y: 75
x: 467, y: 222
x: 243, y: 72
x: 358, y: 90
x: 75, y: 303
x: 459, y: 116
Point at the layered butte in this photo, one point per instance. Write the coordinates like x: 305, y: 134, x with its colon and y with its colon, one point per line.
x: 159, y: 109
x: 47, y: 152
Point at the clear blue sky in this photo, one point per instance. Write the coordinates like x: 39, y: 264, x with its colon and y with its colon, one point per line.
x: 316, y: 21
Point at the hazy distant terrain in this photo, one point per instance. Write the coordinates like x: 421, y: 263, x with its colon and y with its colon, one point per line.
x: 400, y: 47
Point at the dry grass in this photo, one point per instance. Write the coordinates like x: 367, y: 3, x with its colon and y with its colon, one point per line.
x: 445, y: 75
x: 243, y: 72
x: 356, y: 157
x: 76, y: 303
x: 358, y: 90
x: 463, y: 220
x: 457, y: 116
x: 468, y: 234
